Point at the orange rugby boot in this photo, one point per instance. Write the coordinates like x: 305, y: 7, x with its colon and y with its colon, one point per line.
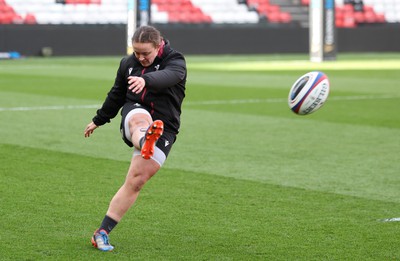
x: 153, y: 133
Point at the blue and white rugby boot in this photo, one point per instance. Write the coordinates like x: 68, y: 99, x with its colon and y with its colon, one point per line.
x: 100, y: 241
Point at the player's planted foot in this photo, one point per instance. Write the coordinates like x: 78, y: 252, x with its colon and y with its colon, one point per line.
x: 153, y: 133
x: 100, y: 241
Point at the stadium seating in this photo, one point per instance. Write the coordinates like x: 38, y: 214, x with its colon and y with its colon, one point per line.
x: 64, y: 12
x: 227, y: 11
x: 389, y: 8
x: 353, y: 13
x: 349, y: 13
x: 7, y: 14
x: 177, y: 11
x: 271, y: 12
x: 202, y: 11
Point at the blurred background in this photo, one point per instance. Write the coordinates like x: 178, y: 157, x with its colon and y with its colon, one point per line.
x: 99, y: 27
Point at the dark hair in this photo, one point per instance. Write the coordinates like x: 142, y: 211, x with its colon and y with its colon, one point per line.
x: 147, y: 34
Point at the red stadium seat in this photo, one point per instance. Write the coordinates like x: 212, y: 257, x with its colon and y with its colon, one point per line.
x: 380, y: 18
x: 30, y: 19
x: 349, y: 21
x: 285, y: 17
x: 7, y: 14
x: 273, y: 17
x: 339, y: 23
x: 305, y: 2
x: 359, y: 17
x: 370, y: 17
x: 257, y: 2
x: 85, y: 2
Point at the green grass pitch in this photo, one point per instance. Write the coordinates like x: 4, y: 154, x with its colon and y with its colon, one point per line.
x: 247, y: 179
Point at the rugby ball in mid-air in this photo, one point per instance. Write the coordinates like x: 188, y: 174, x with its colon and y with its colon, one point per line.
x: 309, y: 93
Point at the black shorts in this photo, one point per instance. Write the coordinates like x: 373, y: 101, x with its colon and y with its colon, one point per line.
x: 164, y: 143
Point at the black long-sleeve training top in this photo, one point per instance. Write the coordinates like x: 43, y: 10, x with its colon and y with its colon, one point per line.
x: 163, y: 93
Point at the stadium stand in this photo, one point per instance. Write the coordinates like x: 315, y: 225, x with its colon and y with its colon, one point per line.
x: 352, y: 13
x: 227, y: 11
x: 202, y: 11
x: 64, y: 12
x: 349, y: 13
x: 389, y: 8
x: 8, y: 15
x: 177, y: 11
x: 272, y: 11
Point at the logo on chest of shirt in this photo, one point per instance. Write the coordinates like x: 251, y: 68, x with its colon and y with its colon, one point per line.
x: 130, y: 70
x: 157, y: 67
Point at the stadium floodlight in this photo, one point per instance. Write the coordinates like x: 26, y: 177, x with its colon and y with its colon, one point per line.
x: 138, y: 15
x: 322, y: 30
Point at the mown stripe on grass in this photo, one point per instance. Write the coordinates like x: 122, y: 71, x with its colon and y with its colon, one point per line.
x: 296, y: 65
x: 210, y: 102
x: 201, y: 216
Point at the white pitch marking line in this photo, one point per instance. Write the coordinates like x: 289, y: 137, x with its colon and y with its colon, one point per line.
x: 390, y: 220
x: 217, y: 102
x: 277, y: 100
x: 211, y: 102
x: 45, y: 108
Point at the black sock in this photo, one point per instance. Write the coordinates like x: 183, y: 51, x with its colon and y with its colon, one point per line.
x: 108, y: 224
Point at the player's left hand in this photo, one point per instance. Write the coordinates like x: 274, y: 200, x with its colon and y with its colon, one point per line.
x: 136, y: 84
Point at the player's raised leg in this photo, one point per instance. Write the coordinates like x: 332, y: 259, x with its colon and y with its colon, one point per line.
x: 153, y: 133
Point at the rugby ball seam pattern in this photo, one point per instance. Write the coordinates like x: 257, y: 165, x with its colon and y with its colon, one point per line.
x: 319, y: 79
x: 316, y: 83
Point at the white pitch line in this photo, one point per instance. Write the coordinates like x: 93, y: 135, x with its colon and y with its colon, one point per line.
x: 211, y: 102
x: 46, y: 108
x: 218, y: 102
x: 390, y: 220
x: 278, y: 100
x: 366, y: 97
